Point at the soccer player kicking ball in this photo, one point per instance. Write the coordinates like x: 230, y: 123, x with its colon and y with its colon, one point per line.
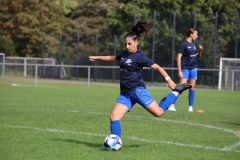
x: 132, y: 87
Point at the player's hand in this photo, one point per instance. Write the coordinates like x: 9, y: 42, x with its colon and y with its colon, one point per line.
x: 92, y: 58
x: 171, y: 84
x: 180, y: 75
x: 200, y: 48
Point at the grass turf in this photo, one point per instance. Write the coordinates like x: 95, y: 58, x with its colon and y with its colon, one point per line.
x: 67, y: 120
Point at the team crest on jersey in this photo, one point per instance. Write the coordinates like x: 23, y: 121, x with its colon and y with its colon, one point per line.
x: 129, y: 61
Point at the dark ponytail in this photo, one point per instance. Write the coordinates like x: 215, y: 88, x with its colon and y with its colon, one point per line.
x: 142, y: 27
x: 186, y: 35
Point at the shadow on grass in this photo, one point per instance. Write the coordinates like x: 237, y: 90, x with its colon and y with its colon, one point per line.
x: 92, y: 145
x: 231, y: 123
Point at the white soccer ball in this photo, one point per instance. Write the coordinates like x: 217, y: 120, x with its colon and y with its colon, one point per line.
x: 113, y: 142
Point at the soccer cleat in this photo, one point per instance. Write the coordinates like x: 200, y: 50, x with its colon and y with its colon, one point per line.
x: 182, y: 87
x: 190, y: 109
x: 172, y: 108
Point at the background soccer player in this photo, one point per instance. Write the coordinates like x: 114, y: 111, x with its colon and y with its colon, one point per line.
x: 187, y: 64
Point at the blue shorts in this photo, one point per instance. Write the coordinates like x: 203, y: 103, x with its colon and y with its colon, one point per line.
x: 139, y: 95
x: 190, y: 74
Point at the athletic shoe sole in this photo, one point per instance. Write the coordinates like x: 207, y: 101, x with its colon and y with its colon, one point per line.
x: 182, y: 87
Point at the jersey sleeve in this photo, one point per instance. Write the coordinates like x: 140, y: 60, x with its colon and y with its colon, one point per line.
x: 182, y: 48
x: 118, y: 57
x: 144, y: 61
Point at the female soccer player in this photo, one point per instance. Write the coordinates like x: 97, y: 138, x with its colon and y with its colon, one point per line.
x: 187, y: 64
x: 132, y: 88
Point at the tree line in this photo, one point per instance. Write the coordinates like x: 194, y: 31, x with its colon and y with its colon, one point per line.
x: 23, y: 22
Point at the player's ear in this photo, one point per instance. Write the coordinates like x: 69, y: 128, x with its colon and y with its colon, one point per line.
x: 136, y: 42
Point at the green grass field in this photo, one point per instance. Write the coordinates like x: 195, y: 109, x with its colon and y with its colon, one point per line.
x: 68, y: 121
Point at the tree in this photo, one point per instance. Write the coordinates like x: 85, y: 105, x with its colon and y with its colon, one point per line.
x: 67, y: 6
x: 90, y: 22
x: 23, y: 21
x: 122, y: 17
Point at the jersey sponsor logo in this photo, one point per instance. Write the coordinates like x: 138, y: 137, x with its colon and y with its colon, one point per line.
x: 123, y: 70
x: 128, y: 62
x: 148, y: 101
x: 189, y: 47
x: 193, y: 55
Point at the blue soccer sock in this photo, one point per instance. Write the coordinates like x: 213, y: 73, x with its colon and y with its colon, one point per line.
x: 115, y: 127
x: 167, y: 101
x: 191, y: 97
x: 176, y: 99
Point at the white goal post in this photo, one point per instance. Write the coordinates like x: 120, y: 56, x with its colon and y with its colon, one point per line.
x: 229, y: 73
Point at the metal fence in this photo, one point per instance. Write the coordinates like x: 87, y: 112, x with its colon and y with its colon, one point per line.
x: 107, y: 74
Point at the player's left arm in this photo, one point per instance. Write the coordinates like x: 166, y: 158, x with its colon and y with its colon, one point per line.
x: 170, y: 83
x: 199, y: 53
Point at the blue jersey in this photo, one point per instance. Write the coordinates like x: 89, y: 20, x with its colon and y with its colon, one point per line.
x: 188, y: 51
x: 131, y: 67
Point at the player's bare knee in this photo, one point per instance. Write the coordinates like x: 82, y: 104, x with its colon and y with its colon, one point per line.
x: 158, y: 114
x: 114, y: 116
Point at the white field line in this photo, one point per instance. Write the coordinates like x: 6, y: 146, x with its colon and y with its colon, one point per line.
x: 169, y: 120
x: 53, y: 130
x: 103, y: 135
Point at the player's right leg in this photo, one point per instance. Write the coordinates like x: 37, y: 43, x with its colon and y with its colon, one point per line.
x: 116, y: 115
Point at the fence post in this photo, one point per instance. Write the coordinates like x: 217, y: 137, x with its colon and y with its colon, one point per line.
x: 25, y: 67
x: 114, y: 53
x: 135, y: 17
x: 3, y: 64
x: 89, y: 73
x: 60, y: 49
x: 195, y: 20
x: 153, y: 44
x: 236, y: 38
x: 96, y: 53
x: 78, y: 51
x: 173, y: 43
x: 236, y: 45
x: 233, y: 80
x: 215, y: 49
x: 36, y: 73
x: 43, y: 41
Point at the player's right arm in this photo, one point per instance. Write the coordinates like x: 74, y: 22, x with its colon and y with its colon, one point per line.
x: 179, y: 56
x: 103, y: 58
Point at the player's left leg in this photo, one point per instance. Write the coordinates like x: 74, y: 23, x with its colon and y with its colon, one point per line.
x: 123, y: 105
x: 191, y: 94
x: 145, y: 99
x: 142, y: 97
x: 165, y: 103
